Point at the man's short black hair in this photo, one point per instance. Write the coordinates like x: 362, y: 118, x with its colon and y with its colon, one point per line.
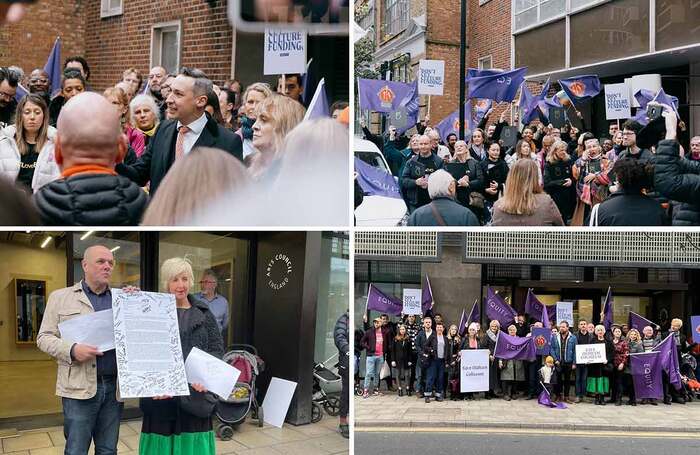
x: 80, y: 60
x: 230, y: 95
x: 449, y: 135
x: 202, y: 84
x: 339, y: 106
x: 633, y: 175
x: 8, y: 75
x: 295, y: 75
x: 564, y: 322
x: 72, y: 73
x: 632, y: 125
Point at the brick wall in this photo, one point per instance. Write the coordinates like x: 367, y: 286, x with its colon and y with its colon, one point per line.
x: 28, y: 43
x: 116, y: 43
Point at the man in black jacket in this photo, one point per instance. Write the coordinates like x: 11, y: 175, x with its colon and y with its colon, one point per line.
x: 342, y: 342
x: 187, y: 128
x: 89, y: 143
x: 414, y: 178
x: 8, y: 90
x: 582, y: 337
x: 421, y: 369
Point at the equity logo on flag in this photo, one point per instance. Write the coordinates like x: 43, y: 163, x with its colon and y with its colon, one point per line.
x: 455, y: 124
x: 578, y: 88
x: 386, y: 96
x: 540, y: 341
x: 482, y: 103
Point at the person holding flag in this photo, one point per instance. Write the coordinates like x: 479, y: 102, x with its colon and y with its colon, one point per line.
x: 634, y: 342
x: 512, y: 371
x: 671, y: 394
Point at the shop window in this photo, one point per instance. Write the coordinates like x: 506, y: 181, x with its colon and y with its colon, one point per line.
x: 614, y: 30
x: 530, y: 52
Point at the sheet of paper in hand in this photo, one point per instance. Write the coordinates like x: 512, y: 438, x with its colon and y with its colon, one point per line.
x: 214, y: 374
x: 95, y: 329
x: 147, y: 339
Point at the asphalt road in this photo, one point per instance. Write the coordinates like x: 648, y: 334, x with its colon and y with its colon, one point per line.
x: 502, y: 442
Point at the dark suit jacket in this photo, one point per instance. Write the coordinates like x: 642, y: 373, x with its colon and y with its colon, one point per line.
x: 155, y: 162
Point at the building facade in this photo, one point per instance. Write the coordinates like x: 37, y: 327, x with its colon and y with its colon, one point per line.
x: 285, y: 292
x: 114, y: 35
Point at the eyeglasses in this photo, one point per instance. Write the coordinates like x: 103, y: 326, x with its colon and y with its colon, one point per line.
x: 38, y: 81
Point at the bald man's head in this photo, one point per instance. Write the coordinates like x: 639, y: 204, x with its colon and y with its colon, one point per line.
x: 89, y: 132
x: 98, y: 263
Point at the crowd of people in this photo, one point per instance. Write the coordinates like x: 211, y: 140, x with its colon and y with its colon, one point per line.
x: 150, y: 149
x: 551, y: 176
x: 421, y: 356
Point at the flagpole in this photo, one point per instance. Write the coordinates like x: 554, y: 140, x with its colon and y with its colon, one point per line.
x: 428, y: 105
x: 462, y: 64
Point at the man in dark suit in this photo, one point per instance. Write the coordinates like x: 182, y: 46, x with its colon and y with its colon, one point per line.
x: 187, y: 128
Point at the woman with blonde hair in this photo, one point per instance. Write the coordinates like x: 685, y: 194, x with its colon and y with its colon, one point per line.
x: 193, y: 182
x: 454, y: 343
x: 523, y: 202
x: 27, y: 147
x: 120, y: 100
x: 558, y: 179
x: 183, y: 424
x: 252, y: 97
x: 276, y: 116
x: 145, y: 115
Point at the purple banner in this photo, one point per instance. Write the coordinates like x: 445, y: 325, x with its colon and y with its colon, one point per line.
x: 475, y: 72
x: 643, y: 97
x: 54, y: 67
x: 646, y: 375
x: 427, y: 296
x: 498, y: 87
x: 450, y: 124
x: 541, y: 336
x: 545, y: 400
x: 382, y: 96
x: 638, y: 322
x: 668, y: 359
x: 536, y: 309
x: 581, y: 88
x: 498, y: 309
x: 695, y: 328
x: 378, y: 301
x: 375, y: 181
x: 475, y: 313
x: 462, y: 327
x: 608, y: 310
x: 514, y: 347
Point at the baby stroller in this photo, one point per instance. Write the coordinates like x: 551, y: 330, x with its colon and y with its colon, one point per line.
x: 326, y: 391
x: 690, y: 383
x: 233, y: 411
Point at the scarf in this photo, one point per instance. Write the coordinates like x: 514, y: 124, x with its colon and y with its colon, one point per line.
x: 492, y: 335
x: 150, y: 132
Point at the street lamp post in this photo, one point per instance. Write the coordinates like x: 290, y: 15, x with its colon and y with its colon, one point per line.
x: 462, y: 65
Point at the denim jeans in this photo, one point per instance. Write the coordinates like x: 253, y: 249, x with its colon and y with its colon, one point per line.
x: 581, y: 377
x: 96, y: 418
x: 372, y: 370
x: 436, y: 374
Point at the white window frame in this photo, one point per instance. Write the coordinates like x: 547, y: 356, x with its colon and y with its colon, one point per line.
x: 483, y: 60
x: 106, y: 11
x: 157, y: 42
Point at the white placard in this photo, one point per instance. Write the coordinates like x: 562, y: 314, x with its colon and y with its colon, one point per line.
x: 147, y: 340
x: 565, y: 312
x: 474, y: 370
x: 277, y: 400
x: 94, y: 329
x: 617, y: 101
x: 431, y: 77
x: 412, y: 301
x: 591, y: 353
x: 285, y: 51
x: 214, y: 374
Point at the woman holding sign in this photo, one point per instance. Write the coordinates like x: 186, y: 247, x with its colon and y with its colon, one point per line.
x: 598, y: 382
x: 182, y: 425
x: 471, y: 341
x: 489, y: 342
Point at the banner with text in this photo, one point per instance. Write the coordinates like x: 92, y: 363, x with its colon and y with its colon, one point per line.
x: 617, y: 101
x: 565, y: 312
x: 474, y: 369
x: 411, y: 301
x: 431, y: 77
x: 591, y: 353
x: 285, y: 51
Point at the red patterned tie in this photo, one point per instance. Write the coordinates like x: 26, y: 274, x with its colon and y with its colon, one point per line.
x: 180, y: 143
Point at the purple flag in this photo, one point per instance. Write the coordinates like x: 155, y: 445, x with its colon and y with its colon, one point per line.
x: 498, y: 309
x: 527, y: 105
x: 514, y: 347
x: 646, y: 375
x: 581, y: 88
x: 475, y: 72
x: 308, y: 80
x: 668, y: 358
x: 54, y: 67
x: 382, y: 96
x: 427, y: 296
x: 450, y: 124
x: 378, y: 301
x: 319, y: 106
x: 695, y: 328
x: 475, y: 313
x: 462, y: 327
x: 498, y: 87
x: 375, y: 181
x: 406, y: 116
x: 21, y: 93
x: 545, y: 400
x: 638, y: 322
x: 608, y: 310
x: 541, y: 336
x: 643, y: 96
x: 536, y: 309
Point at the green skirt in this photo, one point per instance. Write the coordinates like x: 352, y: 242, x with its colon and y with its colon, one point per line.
x: 598, y: 385
x: 177, y: 444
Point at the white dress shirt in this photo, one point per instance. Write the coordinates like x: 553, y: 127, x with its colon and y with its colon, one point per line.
x: 193, y: 134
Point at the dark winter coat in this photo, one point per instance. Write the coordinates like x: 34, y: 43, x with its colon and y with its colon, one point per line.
x: 91, y: 200
x: 563, y: 196
x: 369, y: 341
x: 342, y: 340
x: 476, y: 181
x: 452, y: 213
x: 408, y: 179
x: 497, y: 173
x: 630, y: 209
x: 679, y: 180
x: 400, y: 352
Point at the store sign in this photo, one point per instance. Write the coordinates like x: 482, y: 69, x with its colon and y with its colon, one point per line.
x: 278, y: 271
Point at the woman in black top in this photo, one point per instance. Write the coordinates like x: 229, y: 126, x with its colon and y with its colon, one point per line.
x: 495, y: 172
x: 400, y: 355
x: 558, y: 179
x: 472, y: 181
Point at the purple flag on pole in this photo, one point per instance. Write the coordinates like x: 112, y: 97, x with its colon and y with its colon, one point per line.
x: 378, y: 301
x: 54, y: 67
x: 668, y: 358
x: 695, y: 328
x: 319, y: 106
x: 382, y: 96
x: 475, y: 313
x: 462, y: 327
x: 450, y: 124
x: 527, y: 105
x: 643, y: 96
x: 514, y: 347
x: 608, y: 310
x: 21, y: 93
x: 646, y: 375
x: 498, y: 87
x: 581, y: 88
x: 498, y: 309
x: 375, y: 181
x: 475, y: 72
x: 638, y: 322
x: 541, y: 336
x: 536, y: 309
x: 427, y: 296
x: 545, y: 400
x: 409, y: 108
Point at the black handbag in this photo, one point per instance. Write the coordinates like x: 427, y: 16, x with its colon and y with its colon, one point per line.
x: 198, y: 404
